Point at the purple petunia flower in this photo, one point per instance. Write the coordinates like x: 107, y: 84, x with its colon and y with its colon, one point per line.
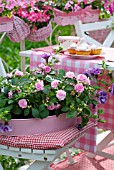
x: 88, y: 73
x: 112, y: 90
x: 103, y: 96
x: 95, y: 71
x: 92, y: 72
x: 45, y: 55
x: 5, y: 128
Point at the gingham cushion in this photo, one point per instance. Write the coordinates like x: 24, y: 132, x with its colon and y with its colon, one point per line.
x: 53, y: 140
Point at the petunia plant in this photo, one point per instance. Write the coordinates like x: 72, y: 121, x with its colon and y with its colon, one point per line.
x: 45, y: 92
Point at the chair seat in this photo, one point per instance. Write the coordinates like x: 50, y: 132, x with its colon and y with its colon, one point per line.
x: 53, y: 140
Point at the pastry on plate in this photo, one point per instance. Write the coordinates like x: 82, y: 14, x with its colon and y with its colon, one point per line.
x: 72, y: 48
x: 83, y: 50
x: 95, y: 50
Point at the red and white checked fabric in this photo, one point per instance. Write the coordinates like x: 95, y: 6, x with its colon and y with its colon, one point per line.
x: 88, y: 142
x: 53, y: 140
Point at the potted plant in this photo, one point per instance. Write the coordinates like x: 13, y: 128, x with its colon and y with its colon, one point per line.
x: 38, y: 15
x: 67, y: 12
x: 46, y: 100
x: 6, y: 17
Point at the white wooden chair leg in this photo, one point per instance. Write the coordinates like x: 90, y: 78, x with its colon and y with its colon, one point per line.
x: 69, y: 157
x: 103, y: 144
x: 1, y: 168
x: 38, y: 165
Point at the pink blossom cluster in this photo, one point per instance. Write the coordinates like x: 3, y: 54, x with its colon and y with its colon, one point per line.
x: 72, y: 5
x: 35, y: 13
x: 54, y: 107
x: 7, y: 6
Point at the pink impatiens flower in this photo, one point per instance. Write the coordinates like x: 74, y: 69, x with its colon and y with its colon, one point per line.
x: 41, y: 66
x: 10, y: 94
x: 22, y: 103
x: 79, y: 87
x: 52, y: 107
x: 57, y: 106
x: 70, y: 74
x: 39, y: 85
x: 47, y: 69
x: 61, y: 94
x: 54, y: 84
x: 19, y: 73
x: 83, y: 79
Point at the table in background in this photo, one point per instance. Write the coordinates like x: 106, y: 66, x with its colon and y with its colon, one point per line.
x: 88, y: 142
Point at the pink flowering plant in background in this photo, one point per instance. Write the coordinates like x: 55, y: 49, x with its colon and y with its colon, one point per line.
x: 45, y: 92
x: 106, y: 7
x: 36, y: 14
x: 7, y: 7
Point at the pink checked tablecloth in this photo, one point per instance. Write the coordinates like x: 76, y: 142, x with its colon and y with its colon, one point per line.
x: 88, y: 142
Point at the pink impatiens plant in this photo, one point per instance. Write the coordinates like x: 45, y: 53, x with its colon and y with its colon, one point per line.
x: 41, y: 93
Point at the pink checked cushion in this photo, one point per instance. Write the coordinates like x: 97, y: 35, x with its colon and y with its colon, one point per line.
x: 53, y: 140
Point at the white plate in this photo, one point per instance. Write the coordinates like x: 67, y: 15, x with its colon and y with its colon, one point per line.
x: 85, y: 57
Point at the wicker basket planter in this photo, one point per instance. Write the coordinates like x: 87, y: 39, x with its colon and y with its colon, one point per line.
x: 41, y: 34
x: 86, y: 16
x: 39, y: 126
x: 6, y: 24
x: 20, y: 30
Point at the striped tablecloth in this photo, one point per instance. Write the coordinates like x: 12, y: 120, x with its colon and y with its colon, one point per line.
x: 88, y: 142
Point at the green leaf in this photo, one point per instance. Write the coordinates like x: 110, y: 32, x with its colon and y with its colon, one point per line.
x: 44, y: 113
x: 39, y: 75
x: 23, y: 79
x: 65, y: 109
x: 46, y: 91
x: 26, y: 112
x: 10, y: 101
x: 101, y: 120
x: 49, y: 79
x: 71, y: 114
x: 62, y: 72
x: 100, y: 111
x: 8, y: 117
x: 41, y: 107
x: 35, y: 113
x: 69, y: 88
x: 95, y: 116
x: 52, y: 72
x: 15, y: 81
x: 2, y: 102
x: 8, y: 108
x: 85, y: 120
x: 17, y: 110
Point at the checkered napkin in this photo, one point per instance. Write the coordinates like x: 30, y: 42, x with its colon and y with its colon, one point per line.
x: 53, y: 140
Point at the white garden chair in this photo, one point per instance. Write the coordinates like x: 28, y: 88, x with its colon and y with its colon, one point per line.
x: 2, y: 69
x: 82, y: 30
